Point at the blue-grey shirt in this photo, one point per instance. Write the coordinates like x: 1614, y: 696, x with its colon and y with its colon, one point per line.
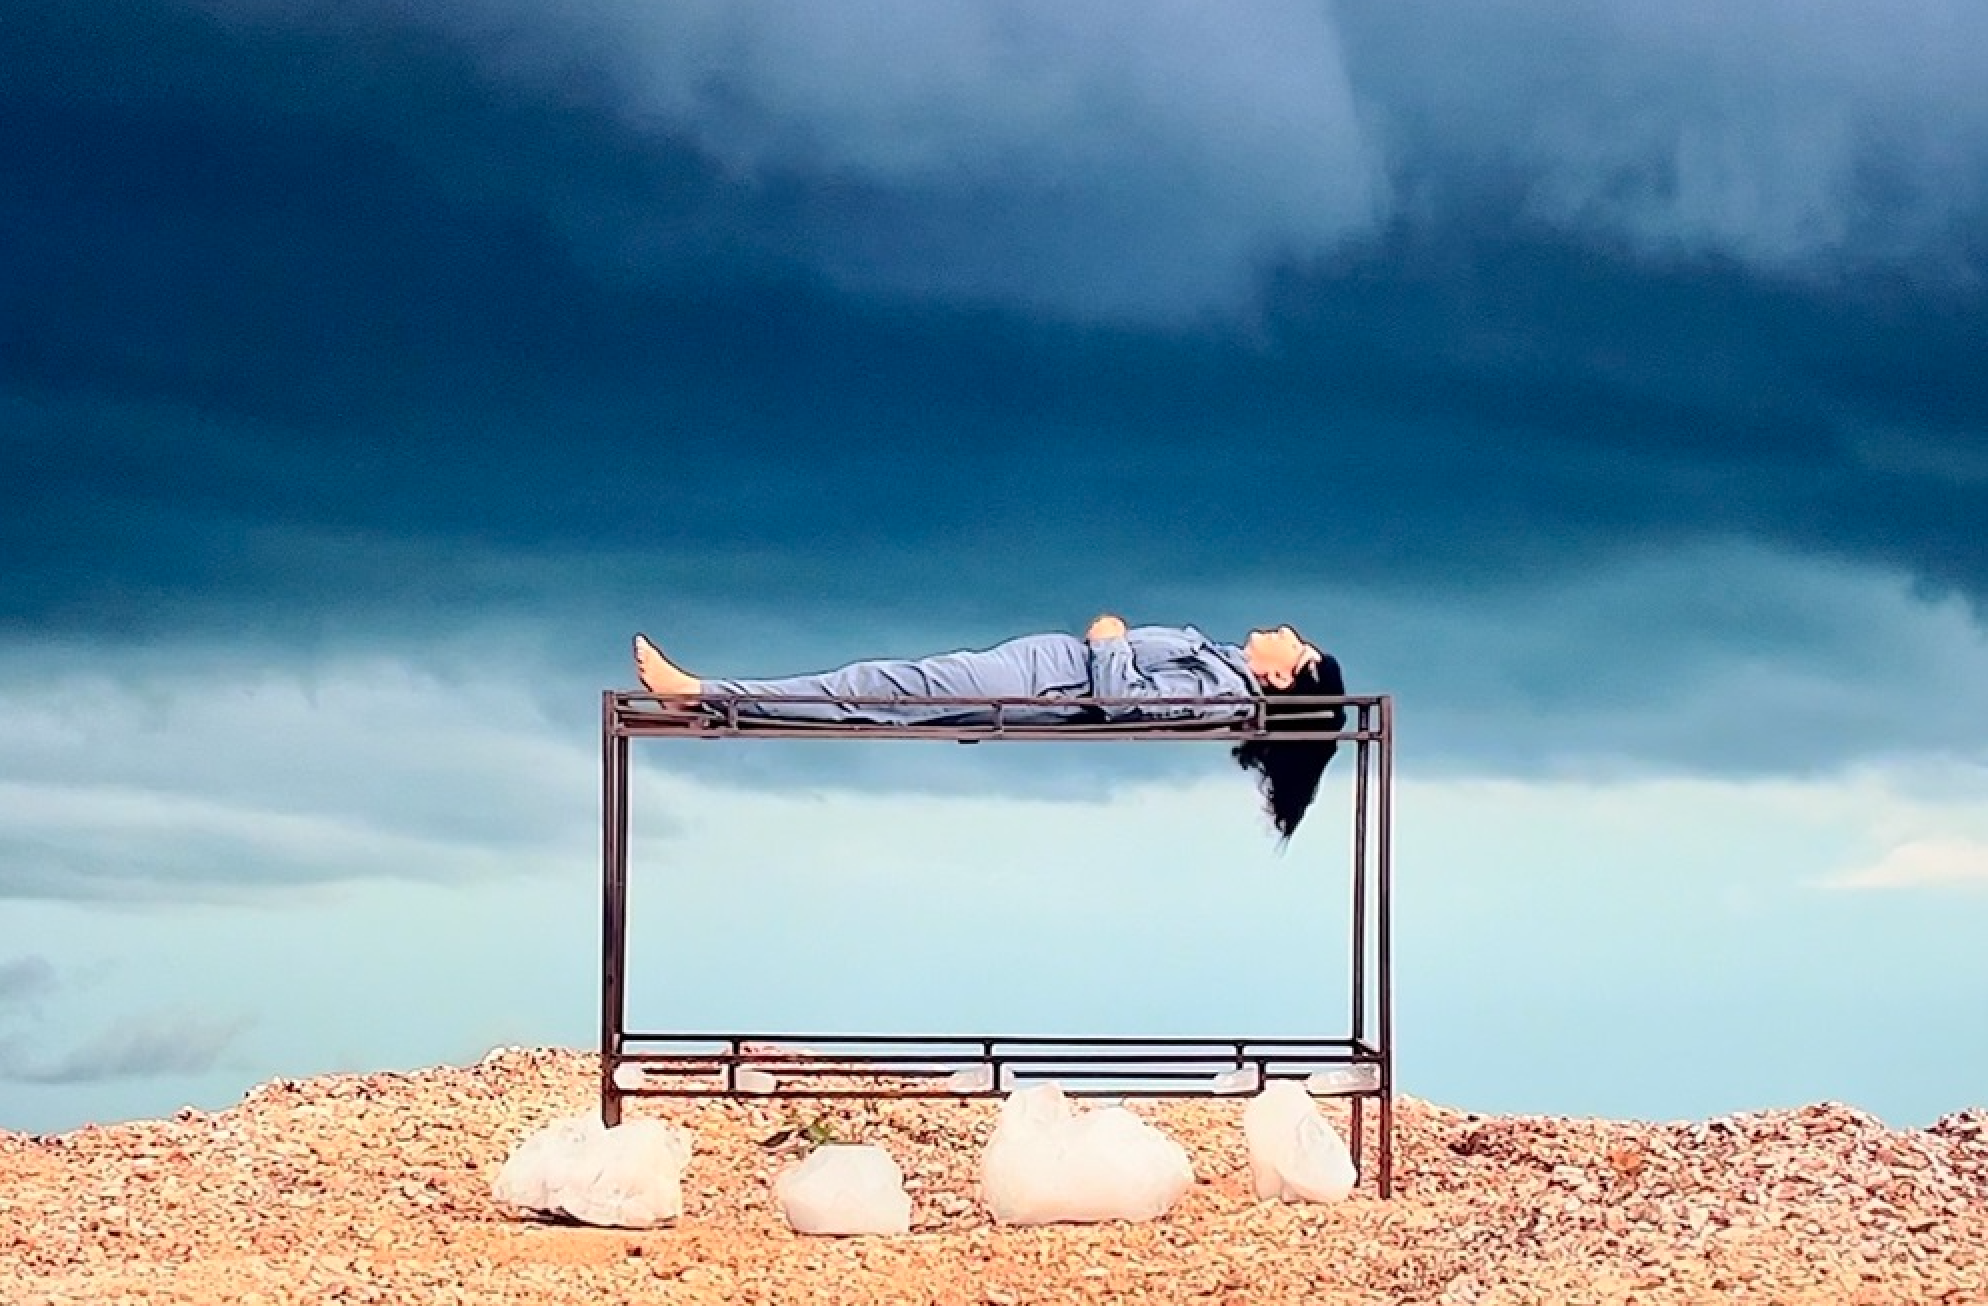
x: 1171, y: 662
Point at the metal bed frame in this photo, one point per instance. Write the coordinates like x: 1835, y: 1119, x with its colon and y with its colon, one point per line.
x: 1358, y: 1066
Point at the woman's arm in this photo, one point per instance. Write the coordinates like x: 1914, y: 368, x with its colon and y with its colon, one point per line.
x: 1114, y: 674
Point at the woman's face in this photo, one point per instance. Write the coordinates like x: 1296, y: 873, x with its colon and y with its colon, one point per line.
x: 1277, y: 655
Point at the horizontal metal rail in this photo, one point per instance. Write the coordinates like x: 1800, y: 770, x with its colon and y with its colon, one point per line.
x: 1088, y: 1066
x: 802, y: 1044
x: 974, y: 719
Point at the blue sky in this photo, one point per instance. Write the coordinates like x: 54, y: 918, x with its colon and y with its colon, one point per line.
x: 1605, y: 382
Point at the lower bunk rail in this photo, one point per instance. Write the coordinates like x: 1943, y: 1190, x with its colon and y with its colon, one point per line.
x: 965, y: 1067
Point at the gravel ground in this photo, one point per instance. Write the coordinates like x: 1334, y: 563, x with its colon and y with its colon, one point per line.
x: 376, y: 1188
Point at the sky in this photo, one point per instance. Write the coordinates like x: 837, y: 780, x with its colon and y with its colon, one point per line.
x: 1606, y: 382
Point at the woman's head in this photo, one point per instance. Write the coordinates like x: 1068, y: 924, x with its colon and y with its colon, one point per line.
x: 1288, y: 770
x: 1276, y: 657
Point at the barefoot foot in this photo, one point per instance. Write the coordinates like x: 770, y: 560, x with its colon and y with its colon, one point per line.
x: 658, y: 675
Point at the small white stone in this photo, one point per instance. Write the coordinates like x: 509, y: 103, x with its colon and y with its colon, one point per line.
x: 1294, y: 1153
x: 1243, y: 1079
x: 843, y: 1189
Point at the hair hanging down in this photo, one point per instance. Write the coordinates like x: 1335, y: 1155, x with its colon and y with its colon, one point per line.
x: 1288, y: 771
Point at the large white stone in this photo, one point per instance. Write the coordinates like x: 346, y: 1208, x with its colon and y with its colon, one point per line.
x: 844, y: 1189
x: 627, y: 1177
x: 1047, y: 1163
x: 1294, y: 1153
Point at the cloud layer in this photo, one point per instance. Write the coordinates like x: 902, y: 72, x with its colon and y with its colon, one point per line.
x: 313, y: 312
x: 412, y: 332
x: 224, y: 777
x: 1152, y: 158
x: 1950, y: 863
x: 1795, y: 141
x: 23, y: 979
x: 136, y: 1046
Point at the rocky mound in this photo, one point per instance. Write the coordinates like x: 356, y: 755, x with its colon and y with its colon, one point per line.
x: 377, y: 1188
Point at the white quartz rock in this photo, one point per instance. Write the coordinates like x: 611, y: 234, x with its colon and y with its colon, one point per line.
x: 1294, y: 1153
x: 627, y: 1177
x: 1047, y: 1163
x: 843, y: 1189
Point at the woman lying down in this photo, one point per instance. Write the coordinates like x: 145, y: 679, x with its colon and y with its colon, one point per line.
x: 1111, y: 661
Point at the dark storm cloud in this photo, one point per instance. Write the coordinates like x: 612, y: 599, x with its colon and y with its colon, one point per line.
x: 313, y: 322
x: 1796, y: 139
x: 1118, y: 156
x: 1129, y: 154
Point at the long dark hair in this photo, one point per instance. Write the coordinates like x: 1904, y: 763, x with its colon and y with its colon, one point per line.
x: 1288, y: 770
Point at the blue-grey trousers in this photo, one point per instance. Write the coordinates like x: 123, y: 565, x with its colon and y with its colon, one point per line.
x: 1030, y: 666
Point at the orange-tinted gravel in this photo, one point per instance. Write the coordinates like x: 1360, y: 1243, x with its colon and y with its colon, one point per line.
x: 376, y: 1188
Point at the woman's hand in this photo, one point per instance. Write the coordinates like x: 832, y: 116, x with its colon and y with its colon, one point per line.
x: 1105, y: 627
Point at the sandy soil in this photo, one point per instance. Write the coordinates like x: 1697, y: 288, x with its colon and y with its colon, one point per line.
x: 377, y: 1189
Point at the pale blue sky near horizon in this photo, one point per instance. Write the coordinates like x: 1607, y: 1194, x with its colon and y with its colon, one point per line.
x: 367, y: 377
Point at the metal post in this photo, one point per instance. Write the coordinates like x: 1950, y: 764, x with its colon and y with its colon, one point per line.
x: 1384, y: 850
x: 1360, y: 763
x: 1360, y: 880
x: 614, y: 904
